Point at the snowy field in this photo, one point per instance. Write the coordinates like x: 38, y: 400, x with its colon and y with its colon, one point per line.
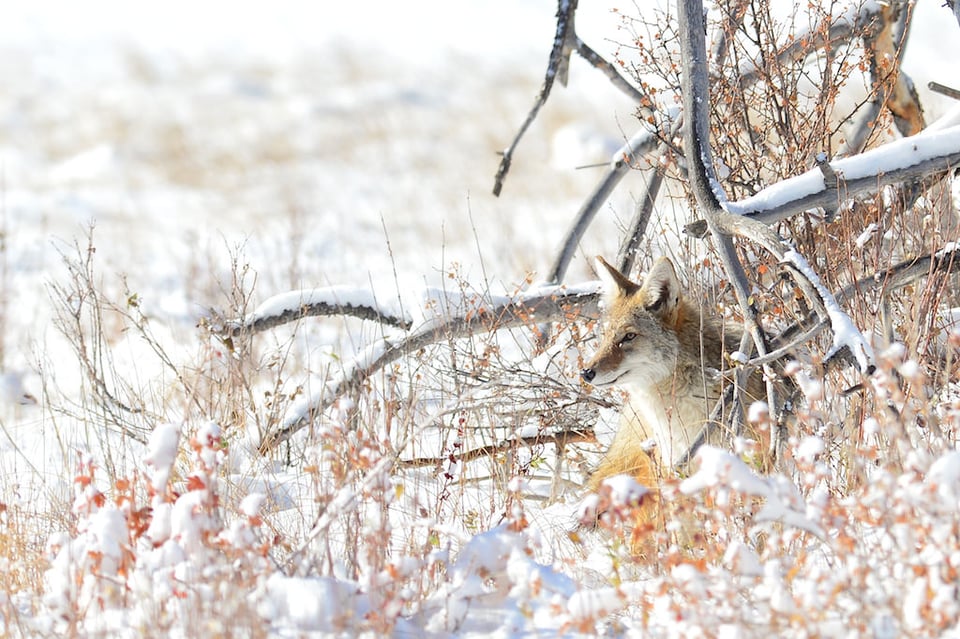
x: 169, y: 166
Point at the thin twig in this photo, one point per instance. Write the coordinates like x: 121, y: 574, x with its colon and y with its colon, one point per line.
x: 558, y: 438
x: 943, y: 89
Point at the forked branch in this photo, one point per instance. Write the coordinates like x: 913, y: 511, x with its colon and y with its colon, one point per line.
x: 565, y: 42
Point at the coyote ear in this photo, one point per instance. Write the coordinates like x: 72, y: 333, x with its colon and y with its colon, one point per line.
x: 662, y: 287
x: 615, y: 283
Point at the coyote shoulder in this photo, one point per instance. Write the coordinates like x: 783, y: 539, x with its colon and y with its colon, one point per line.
x: 667, y: 352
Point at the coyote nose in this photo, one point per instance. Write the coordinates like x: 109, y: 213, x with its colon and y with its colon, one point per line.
x: 588, y: 374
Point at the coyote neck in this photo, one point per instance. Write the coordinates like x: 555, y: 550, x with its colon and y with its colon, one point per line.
x: 672, y: 417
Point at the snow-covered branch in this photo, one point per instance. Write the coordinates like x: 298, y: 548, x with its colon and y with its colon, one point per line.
x: 334, y: 300
x: 920, y: 156
x: 940, y: 262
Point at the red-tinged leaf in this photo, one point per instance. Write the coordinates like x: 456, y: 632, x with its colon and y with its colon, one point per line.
x: 83, y: 480
x: 122, y: 485
x: 195, y: 483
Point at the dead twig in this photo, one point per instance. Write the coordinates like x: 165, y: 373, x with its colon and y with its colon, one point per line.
x: 943, y: 89
x: 557, y: 438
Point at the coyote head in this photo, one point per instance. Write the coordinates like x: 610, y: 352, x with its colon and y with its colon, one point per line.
x: 640, y: 345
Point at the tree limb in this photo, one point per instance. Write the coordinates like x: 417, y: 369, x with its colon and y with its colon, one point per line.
x: 919, y: 156
x: 564, y: 42
x: 641, y: 143
x: 296, y: 305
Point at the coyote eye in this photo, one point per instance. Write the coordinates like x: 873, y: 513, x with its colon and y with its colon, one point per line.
x: 628, y: 337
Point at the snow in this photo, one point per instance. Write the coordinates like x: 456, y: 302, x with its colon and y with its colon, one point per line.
x: 161, y: 453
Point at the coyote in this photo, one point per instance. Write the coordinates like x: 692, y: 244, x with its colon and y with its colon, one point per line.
x: 667, y: 353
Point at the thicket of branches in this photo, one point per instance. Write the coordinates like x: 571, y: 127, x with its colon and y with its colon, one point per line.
x: 802, y: 157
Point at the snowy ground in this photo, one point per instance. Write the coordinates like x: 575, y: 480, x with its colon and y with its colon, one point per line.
x: 352, y: 144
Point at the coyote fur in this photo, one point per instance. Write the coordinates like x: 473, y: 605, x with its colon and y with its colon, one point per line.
x: 667, y: 353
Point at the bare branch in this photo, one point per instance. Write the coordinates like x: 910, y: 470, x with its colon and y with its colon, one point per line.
x: 943, y: 89
x: 558, y: 438
x: 641, y: 143
x: 609, y: 70
x: 627, y: 254
x: 695, y: 89
x: 566, y: 41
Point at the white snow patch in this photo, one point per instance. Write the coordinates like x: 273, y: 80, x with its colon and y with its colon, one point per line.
x: 161, y: 454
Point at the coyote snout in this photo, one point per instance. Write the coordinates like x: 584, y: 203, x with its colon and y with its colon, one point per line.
x: 667, y: 354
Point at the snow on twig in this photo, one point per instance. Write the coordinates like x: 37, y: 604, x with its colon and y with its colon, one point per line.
x: 722, y: 470
x: 845, y: 332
